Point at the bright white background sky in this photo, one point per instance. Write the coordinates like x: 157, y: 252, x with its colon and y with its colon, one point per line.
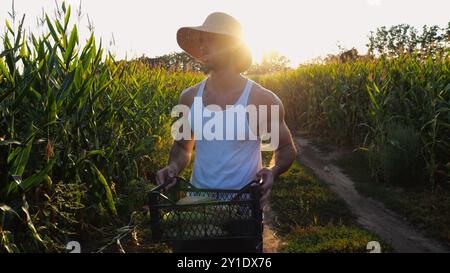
x: 300, y: 30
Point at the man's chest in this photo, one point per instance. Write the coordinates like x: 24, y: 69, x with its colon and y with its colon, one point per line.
x: 221, y: 99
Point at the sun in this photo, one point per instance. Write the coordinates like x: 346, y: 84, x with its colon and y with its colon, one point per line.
x: 257, y: 47
x: 263, y: 40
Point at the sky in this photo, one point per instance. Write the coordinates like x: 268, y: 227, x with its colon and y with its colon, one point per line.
x: 299, y: 30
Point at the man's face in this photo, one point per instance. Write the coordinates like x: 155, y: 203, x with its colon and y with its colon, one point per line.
x: 216, y: 49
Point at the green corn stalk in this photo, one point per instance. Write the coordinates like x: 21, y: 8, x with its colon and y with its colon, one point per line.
x: 93, y: 121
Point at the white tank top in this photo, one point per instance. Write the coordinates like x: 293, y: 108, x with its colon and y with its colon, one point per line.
x: 223, y: 163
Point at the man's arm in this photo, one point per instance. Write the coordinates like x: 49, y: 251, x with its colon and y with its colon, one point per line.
x: 180, y: 155
x: 181, y: 151
x: 284, y: 154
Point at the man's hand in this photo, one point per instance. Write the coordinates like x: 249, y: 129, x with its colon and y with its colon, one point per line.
x: 166, y: 174
x: 267, y: 175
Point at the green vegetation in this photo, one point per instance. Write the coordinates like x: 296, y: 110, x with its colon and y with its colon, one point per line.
x: 332, y: 239
x: 82, y: 135
x: 427, y: 210
x: 379, y: 105
x: 311, y: 218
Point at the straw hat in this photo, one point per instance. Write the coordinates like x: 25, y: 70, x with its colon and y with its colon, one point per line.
x: 218, y: 23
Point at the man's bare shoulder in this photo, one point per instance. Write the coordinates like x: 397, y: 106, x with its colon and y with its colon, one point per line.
x: 263, y: 96
x: 187, y: 95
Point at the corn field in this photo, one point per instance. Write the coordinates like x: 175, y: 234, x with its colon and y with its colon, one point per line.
x: 361, y: 102
x: 82, y: 135
x: 78, y: 131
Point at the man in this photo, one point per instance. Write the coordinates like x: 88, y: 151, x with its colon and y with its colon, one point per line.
x: 227, y: 163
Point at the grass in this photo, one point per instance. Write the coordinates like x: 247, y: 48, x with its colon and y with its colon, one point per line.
x: 311, y: 218
x: 328, y: 239
x: 427, y: 211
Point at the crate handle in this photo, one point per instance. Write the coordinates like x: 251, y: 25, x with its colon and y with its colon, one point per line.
x: 162, y: 186
x: 257, y: 182
x: 157, y: 190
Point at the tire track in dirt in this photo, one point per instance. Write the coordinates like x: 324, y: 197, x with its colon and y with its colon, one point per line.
x: 271, y: 242
x: 370, y: 213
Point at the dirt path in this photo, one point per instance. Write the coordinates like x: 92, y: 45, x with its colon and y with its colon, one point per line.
x: 370, y: 213
x: 271, y: 242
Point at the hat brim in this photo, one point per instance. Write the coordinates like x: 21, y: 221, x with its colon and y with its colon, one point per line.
x: 187, y: 39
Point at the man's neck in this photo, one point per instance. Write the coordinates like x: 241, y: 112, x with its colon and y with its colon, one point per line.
x: 225, y: 80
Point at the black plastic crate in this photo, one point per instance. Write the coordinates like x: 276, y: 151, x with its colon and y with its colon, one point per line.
x: 219, y: 215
